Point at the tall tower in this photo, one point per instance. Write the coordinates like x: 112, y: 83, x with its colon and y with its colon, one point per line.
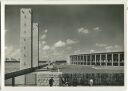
x: 25, y: 38
x: 35, y: 45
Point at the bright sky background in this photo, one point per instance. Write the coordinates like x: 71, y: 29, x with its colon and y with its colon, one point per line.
x: 69, y: 29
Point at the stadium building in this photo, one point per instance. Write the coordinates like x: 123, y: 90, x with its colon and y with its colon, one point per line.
x: 99, y: 59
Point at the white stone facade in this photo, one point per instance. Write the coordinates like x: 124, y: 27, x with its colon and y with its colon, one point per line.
x: 35, y: 45
x: 25, y: 38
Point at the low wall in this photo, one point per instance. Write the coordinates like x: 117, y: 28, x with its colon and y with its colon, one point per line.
x: 44, y: 77
x: 73, y: 79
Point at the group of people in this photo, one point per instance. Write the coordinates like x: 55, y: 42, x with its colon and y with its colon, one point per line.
x: 51, y: 81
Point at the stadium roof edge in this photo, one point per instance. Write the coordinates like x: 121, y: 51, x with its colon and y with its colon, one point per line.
x: 96, y: 53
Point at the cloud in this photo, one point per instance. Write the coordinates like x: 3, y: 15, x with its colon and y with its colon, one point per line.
x: 8, y: 50
x: 84, y: 51
x: 117, y: 46
x: 79, y: 51
x: 43, y: 45
x: 109, y: 48
x: 69, y: 48
x: 114, y: 48
x: 97, y: 29
x: 100, y: 45
x: 43, y: 36
x: 45, y: 30
x: 83, y: 30
x: 60, y: 44
x: 46, y: 47
x: 92, y: 51
x: 60, y: 50
x: 65, y: 44
x: 12, y: 52
x: 54, y: 53
x: 69, y: 41
x: 16, y: 54
x: 44, y: 42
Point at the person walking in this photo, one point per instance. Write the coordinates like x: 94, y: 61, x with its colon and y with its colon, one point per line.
x: 51, y: 81
x: 66, y: 84
x: 91, y: 82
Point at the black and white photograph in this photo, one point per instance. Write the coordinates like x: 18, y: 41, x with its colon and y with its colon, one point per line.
x: 73, y: 45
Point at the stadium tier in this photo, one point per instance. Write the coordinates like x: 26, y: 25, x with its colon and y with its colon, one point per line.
x: 99, y: 59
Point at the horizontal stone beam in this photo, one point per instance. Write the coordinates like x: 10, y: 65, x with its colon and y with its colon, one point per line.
x: 23, y: 72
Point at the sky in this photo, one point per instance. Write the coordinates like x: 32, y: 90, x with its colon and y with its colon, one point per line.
x: 65, y: 30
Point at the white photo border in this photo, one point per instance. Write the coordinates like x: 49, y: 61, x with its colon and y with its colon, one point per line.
x: 49, y: 2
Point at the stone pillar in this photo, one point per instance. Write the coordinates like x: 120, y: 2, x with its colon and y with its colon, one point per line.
x: 86, y: 59
x: 100, y: 59
x: 72, y: 59
x: 76, y: 59
x: 118, y: 59
x: 13, y: 81
x: 106, y: 59
x: 35, y: 45
x: 112, y: 59
x: 95, y: 59
x: 83, y: 60
x: 80, y: 59
x: 90, y: 59
x: 25, y: 38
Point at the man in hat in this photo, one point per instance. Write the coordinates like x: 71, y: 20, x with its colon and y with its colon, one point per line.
x: 51, y: 81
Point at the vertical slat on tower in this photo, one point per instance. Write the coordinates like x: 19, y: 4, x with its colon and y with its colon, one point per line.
x: 35, y: 45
